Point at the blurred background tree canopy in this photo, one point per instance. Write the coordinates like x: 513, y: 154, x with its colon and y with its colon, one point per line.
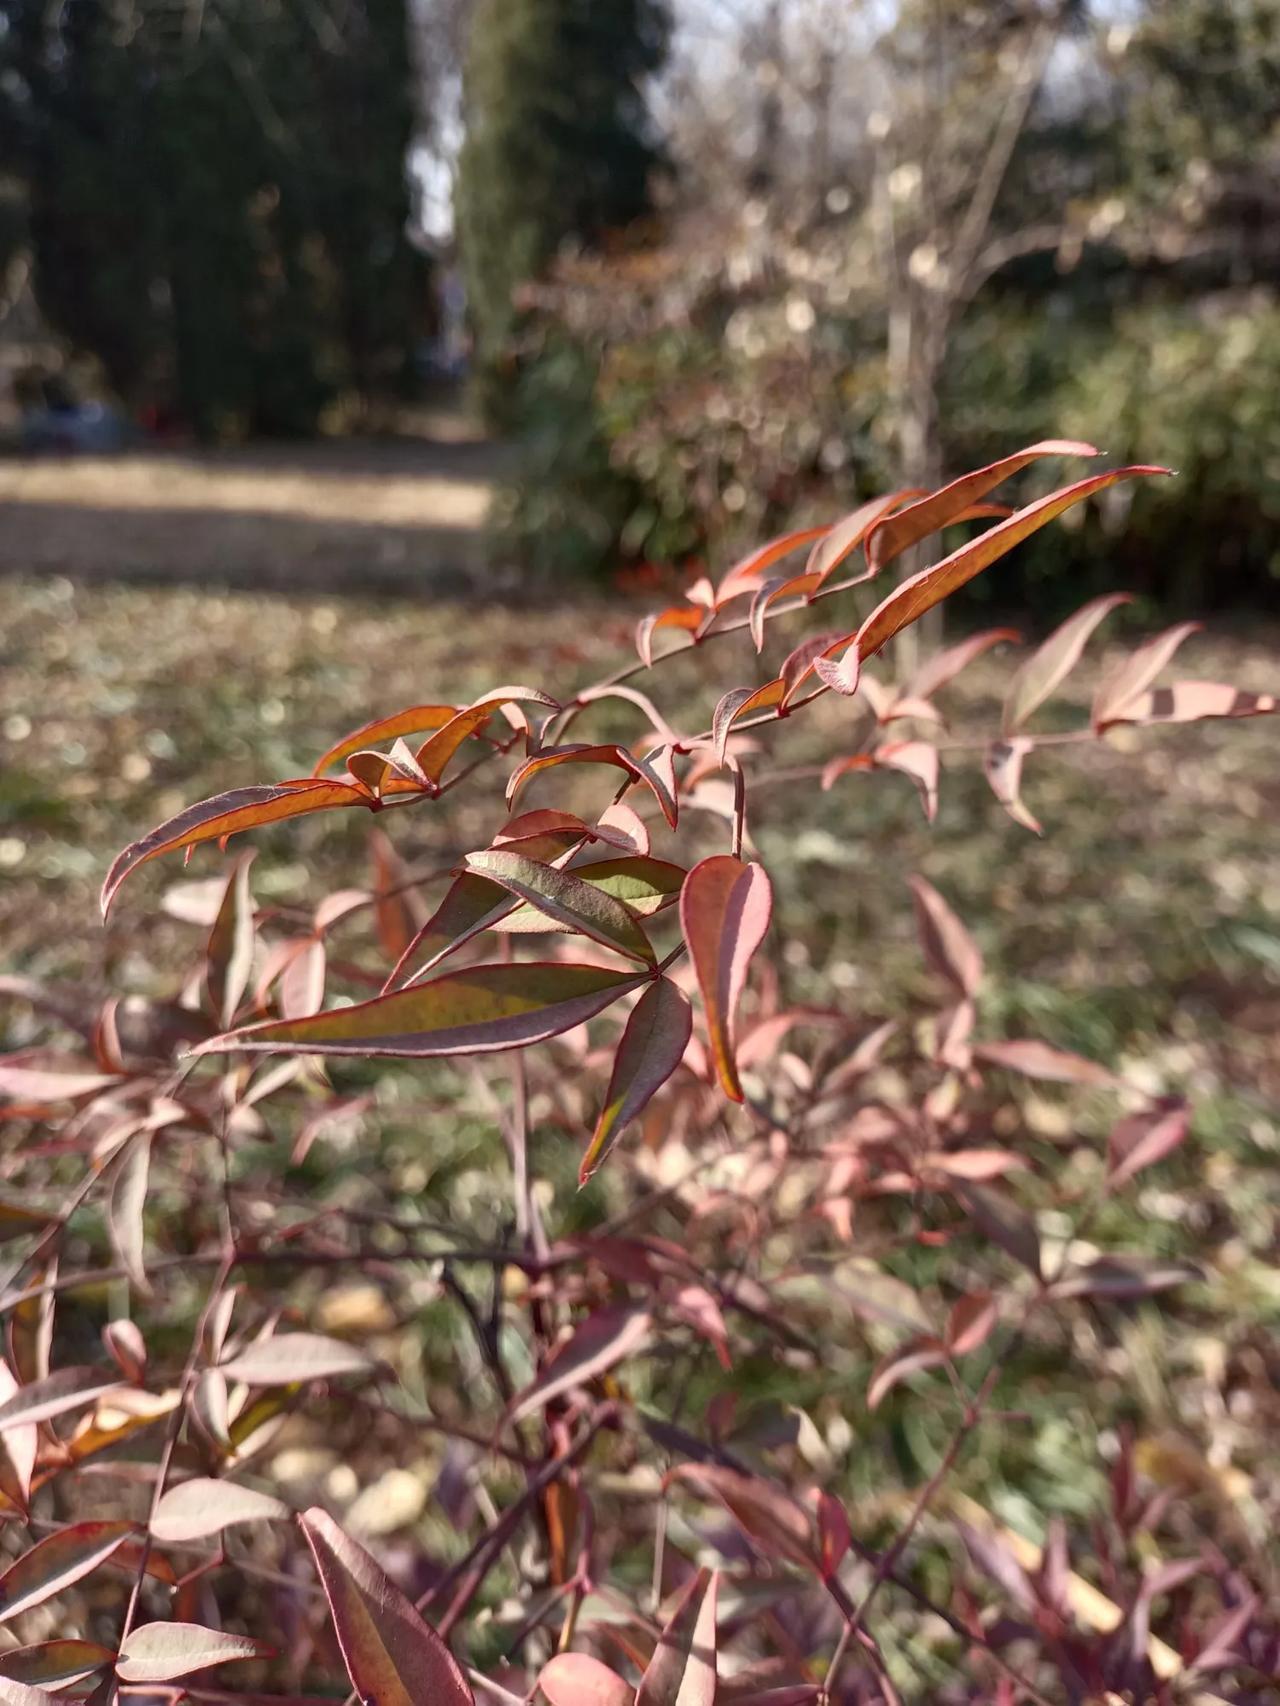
x: 728, y: 263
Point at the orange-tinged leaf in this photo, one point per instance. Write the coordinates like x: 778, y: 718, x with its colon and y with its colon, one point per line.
x: 1190, y: 701
x: 564, y: 897
x: 847, y: 534
x: 652, y: 1046
x: 229, y: 814
x: 935, y: 672
x: 598, y: 1344
x: 392, y: 1654
x: 948, y: 946
x: 745, y: 573
x: 725, y: 906
x: 840, y: 667
x: 1002, y: 766
x: 54, y: 1395
x: 897, y: 533
x: 576, y: 1679
x: 475, y: 1011
x: 1051, y: 663
x: 601, y: 753
x: 682, y: 1671
x: 50, y: 1664
x: 686, y: 618
x: 434, y: 754
x: 418, y: 719
x: 769, y: 1516
x: 1137, y: 672
x: 159, y: 1652
x: 909, y: 601
x: 769, y: 593
x: 201, y: 1507
x: 56, y: 1562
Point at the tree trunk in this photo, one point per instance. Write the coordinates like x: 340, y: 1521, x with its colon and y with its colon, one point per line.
x: 915, y: 367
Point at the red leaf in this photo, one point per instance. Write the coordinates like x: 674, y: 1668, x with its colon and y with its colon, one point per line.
x: 229, y: 814
x: 607, y: 753
x: 945, y: 665
x: 50, y: 1664
x: 912, y: 1358
x: 948, y: 946
x: 849, y: 533
x: 682, y: 1671
x: 1002, y: 766
x: 475, y: 1011
x: 1137, y: 672
x: 598, y: 1344
x: 919, y: 760
x: 652, y: 1046
x: 159, y: 1652
x: 918, y: 520
x: 392, y: 1654
x: 1144, y: 1139
x: 688, y: 618
x: 1003, y: 1222
x: 725, y: 906
x: 471, y: 904
x: 834, y: 1534
x: 416, y: 720
x: 909, y: 601
x: 56, y: 1562
x: 971, y: 1322
x: 1039, y: 1060
x: 769, y: 1516
x: 1052, y: 662
x: 434, y: 755
x: 744, y: 575
x: 1192, y: 701
x: 576, y: 1679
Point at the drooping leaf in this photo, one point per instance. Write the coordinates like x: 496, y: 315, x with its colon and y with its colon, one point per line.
x: 768, y: 594
x: 201, y: 1507
x: 475, y: 1011
x: 125, y: 1207
x: 56, y: 1562
x: 897, y: 533
x: 601, y: 1342
x: 652, y: 1047
x: 418, y: 719
x: 909, y: 601
x: 1137, y: 672
x: 1050, y: 664
x: 948, y: 946
x: 1035, y: 1059
x: 576, y: 1679
x: 768, y: 1515
x: 53, y: 1664
x: 127, y: 1347
x: 604, y: 753
x: 1002, y: 766
x: 683, y: 618
x: 229, y: 814
x: 1143, y: 1139
x: 392, y: 1654
x: 841, y: 673
x: 615, y: 690
x: 725, y: 906
x: 971, y: 1322
x: 583, y: 907
x: 159, y: 1652
x: 900, y: 1364
x: 287, y: 1357
x: 727, y: 708
x: 54, y: 1395
x: 682, y: 1671
x: 917, y: 759
x: 1194, y: 701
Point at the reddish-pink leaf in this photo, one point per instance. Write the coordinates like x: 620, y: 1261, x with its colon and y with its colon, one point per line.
x: 682, y: 1671
x: 475, y: 1011
x: 607, y: 753
x: 18, y: 1446
x: 722, y: 718
x: 434, y: 754
x: 1035, y: 1059
x: 659, y: 724
x: 919, y: 760
x: 40, y: 1084
x: 201, y: 1507
x: 768, y: 594
x: 1145, y: 1138
x: 127, y: 1347
x: 834, y: 1534
x: 725, y: 906
x: 54, y: 1664
x: 744, y: 575
x: 1000, y: 1219
x: 948, y: 946
x: 1192, y: 701
x: 843, y: 673
x: 917, y: 521
x: 229, y: 954
x: 909, y: 601
x: 1002, y: 766
x: 392, y: 1654
x: 652, y: 1046
x: 849, y: 533
x: 287, y: 1357
x: 159, y: 1652
x: 686, y: 618
x: 1137, y: 672
x: 980, y: 1165
x: 1051, y: 663
x: 229, y: 814
x: 418, y: 719
x: 601, y: 1342
x: 771, y: 1518
x: 576, y: 1679
x: 945, y: 665
x: 471, y: 904
x: 971, y: 1322
x: 54, y: 1395
x: 57, y: 1561
x: 912, y: 1358
x: 621, y: 826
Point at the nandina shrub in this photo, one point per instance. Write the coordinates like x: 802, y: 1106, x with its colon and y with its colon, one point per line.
x: 674, y: 1425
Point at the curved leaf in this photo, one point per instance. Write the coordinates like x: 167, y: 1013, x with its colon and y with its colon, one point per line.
x: 1190, y: 701
x: 563, y: 895
x: 49, y: 1664
x: 1051, y: 663
x: 771, y: 1517
x: 287, y: 1357
x: 416, y: 720
x: 475, y: 1011
x: 434, y: 754
x: 1137, y: 672
x: 948, y: 946
x: 65, y: 1389
x: 608, y: 752
x: 682, y: 1671
x: 598, y: 1344
x: 159, y: 1652
x: 228, y: 814
x: 57, y: 1561
x: 908, y: 602
x: 725, y: 906
x: 849, y: 533
x: 202, y: 1507
x: 744, y: 574
x: 652, y: 1046
x: 944, y: 666
x: 576, y: 1679
x: 392, y: 1654
x: 1002, y: 766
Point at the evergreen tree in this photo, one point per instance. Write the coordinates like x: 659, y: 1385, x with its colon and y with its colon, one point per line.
x: 559, y: 143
